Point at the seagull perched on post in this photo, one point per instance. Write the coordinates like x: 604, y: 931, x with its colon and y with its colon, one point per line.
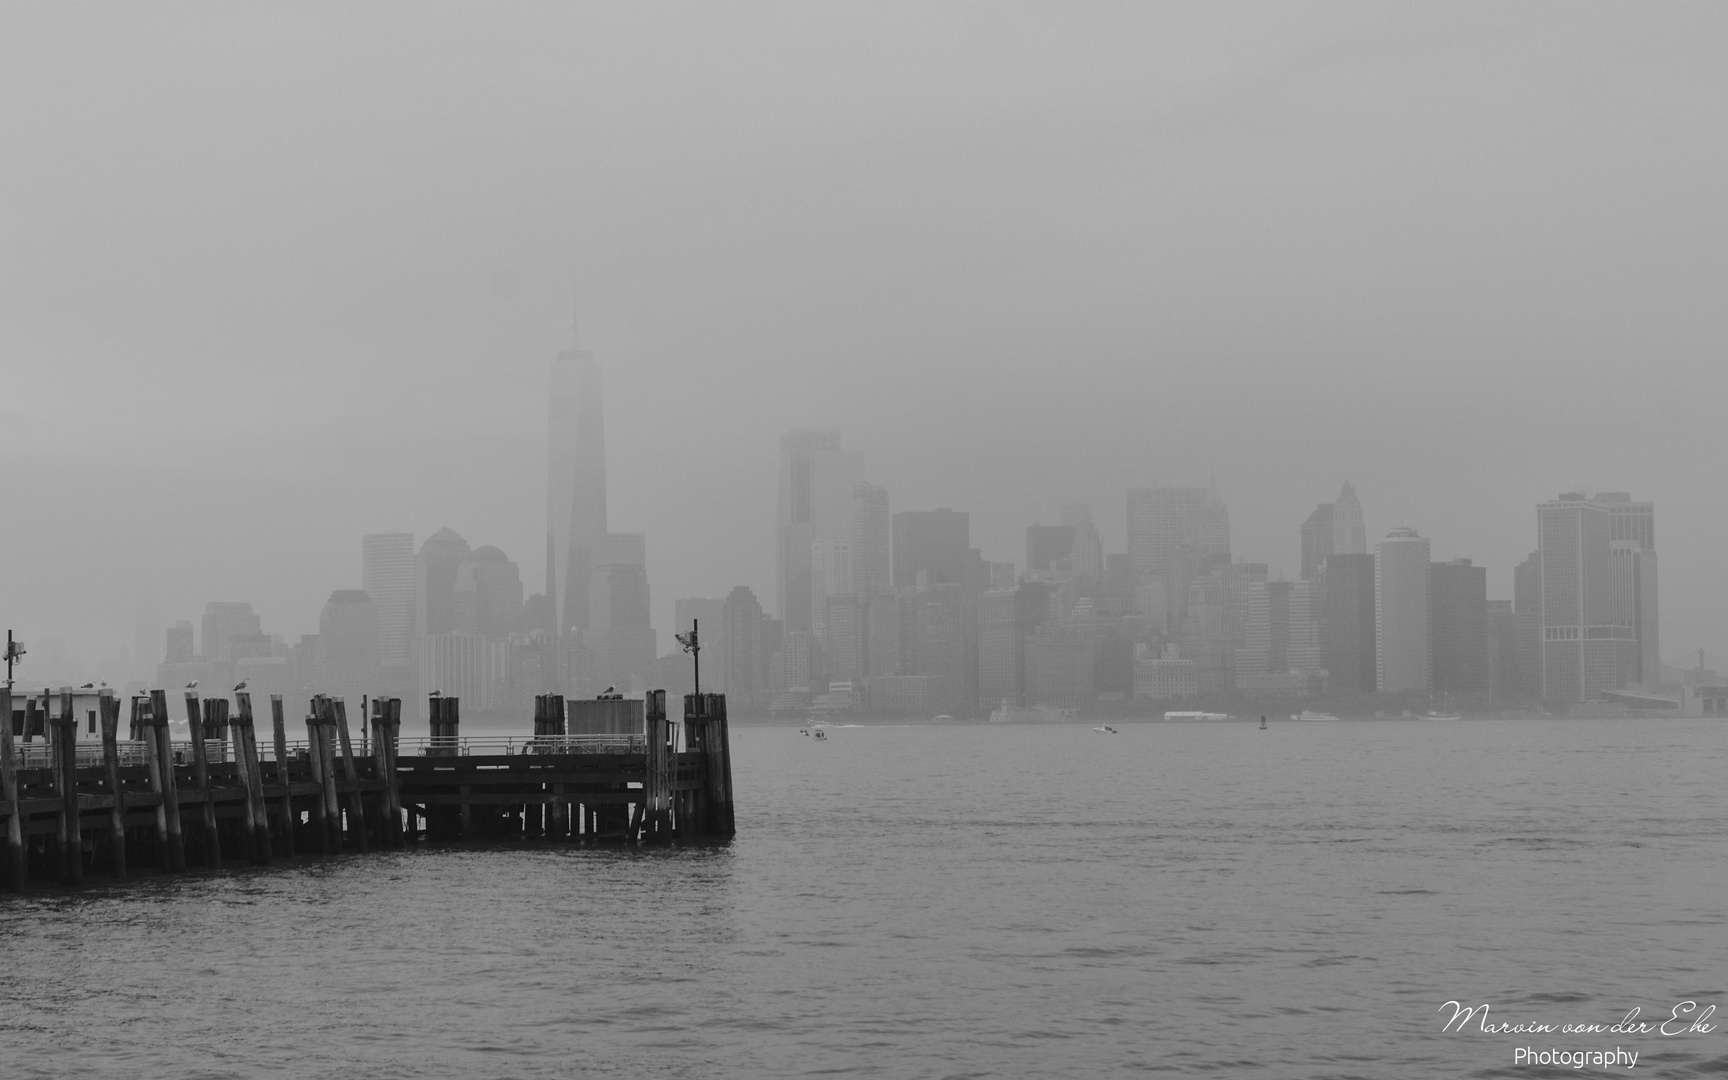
x: 88, y: 686
x: 437, y: 693
x: 241, y: 685
x: 193, y: 685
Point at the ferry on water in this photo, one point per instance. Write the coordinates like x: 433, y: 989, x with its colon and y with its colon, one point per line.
x: 1310, y: 714
x: 1195, y: 717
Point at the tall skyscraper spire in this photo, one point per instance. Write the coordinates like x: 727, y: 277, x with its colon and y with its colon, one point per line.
x: 560, y: 472
x: 587, y: 517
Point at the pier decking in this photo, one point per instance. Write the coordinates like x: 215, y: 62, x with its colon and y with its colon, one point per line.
x: 71, y: 809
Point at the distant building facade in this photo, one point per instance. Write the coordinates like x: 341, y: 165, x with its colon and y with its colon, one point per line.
x: 1401, y: 612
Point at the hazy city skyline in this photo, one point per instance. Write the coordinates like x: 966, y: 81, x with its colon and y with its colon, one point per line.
x: 224, y: 371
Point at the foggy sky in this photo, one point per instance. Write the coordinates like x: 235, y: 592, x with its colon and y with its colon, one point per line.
x: 272, y: 278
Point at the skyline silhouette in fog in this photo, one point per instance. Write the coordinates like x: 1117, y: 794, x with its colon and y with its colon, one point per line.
x: 272, y: 280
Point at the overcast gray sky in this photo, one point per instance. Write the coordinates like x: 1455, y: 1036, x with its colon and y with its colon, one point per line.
x: 274, y: 277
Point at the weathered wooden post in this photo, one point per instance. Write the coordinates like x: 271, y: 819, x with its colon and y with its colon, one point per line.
x: 279, y: 729
x: 15, y: 862
x: 210, y: 845
x: 657, y: 785
x: 705, y: 727
x: 386, y: 723
x: 719, y: 765
x: 315, y: 757
x: 66, y: 779
x: 159, y: 744
x: 356, y: 805
x: 110, y: 707
x: 245, y: 735
x: 446, y: 718
x: 326, y: 717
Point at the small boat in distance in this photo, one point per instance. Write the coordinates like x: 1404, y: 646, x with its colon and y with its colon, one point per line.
x: 1310, y: 714
x: 1105, y: 728
x: 1443, y: 716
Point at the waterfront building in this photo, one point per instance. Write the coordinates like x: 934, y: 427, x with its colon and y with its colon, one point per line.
x: 349, y: 660
x: 931, y: 547
x: 1349, y: 649
x: 435, y: 569
x: 387, y: 577
x: 1401, y: 612
x: 818, y: 489
x: 223, y: 622
x: 1163, y: 519
x: 1458, y: 628
x: 1587, y: 646
x: 1316, y: 541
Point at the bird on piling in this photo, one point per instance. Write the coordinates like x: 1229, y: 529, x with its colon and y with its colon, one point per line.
x: 193, y: 685
x: 88, y: 686
x: 436, y: 693
x: 241, y: 685
x: 610, y: 689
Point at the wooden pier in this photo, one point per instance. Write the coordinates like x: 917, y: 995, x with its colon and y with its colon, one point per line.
x: 108, y: 807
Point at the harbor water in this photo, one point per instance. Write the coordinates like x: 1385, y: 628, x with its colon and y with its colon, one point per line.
x: 961, y: 901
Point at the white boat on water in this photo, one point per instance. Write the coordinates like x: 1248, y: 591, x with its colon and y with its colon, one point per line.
x: 1310, y: 714
x: 1443, y: 716
x: 1105, y: 729
x: 1196, y: 717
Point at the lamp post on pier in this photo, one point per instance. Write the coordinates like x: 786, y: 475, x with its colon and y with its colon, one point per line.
x: 693, y: 646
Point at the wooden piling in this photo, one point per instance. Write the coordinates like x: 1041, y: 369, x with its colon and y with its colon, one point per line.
x: 242, y: 727
x: 385, y: 712
x: 110, y: 707
x: 210, y: 846
x: 324, y: 717
x: 65, y: 727
x: 15, y: 861
x: 279, y: 731
x: 356, y: 804
x: 160, y: 747
x: 315, y: 757
x: 656, y: 814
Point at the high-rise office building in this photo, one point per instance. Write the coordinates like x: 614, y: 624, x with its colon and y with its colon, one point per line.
x: 1349, y: 648
x: 1502, y: 651
x: 872, y: 542
x: 349, y: 661
x: 1334, y: 528
x: 223, y: 622
x: 743, y: 666
x: 1632, y: 547
x: 934, y: 543
x: 1087, y: 553
x: 178, y: 644
x: 620, y: 645
x: 1524, y: 681
x: 1162, y: 520
x: 1458, y: 628
x: 1316, y: 541
x: 1005, y: 617
x: 818, y: 489
x: 435, y: 569
x: 1349, y: 535
x: 487, y: 594
x: 1401, y: 611
x: 1587, y: 646
x: 387, y: 578
x: 1049, y: 549
x: 1282, y: 634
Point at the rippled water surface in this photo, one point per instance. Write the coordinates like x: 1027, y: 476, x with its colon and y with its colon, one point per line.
x: 958, y: 901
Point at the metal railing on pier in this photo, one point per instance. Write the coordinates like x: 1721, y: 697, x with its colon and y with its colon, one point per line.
x: 504, y: 745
